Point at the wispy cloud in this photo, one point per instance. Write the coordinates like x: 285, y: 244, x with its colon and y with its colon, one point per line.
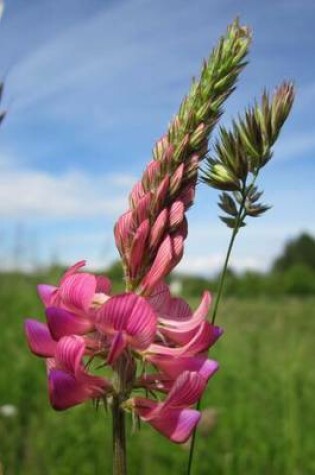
x: 36, y: 194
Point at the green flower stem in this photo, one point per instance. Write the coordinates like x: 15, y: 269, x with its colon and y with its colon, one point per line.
x: 119, y: 438
x: 240, y: 216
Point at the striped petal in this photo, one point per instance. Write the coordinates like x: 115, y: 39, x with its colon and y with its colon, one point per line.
x: 131, y: 314
x: 186, y: 390
x: 173, y: 367
x: 77, y: 291
x: 205, y: 337
x: 118, y: 345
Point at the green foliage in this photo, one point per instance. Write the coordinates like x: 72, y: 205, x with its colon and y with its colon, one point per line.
x: 300, y: 250
x: 262, y: 398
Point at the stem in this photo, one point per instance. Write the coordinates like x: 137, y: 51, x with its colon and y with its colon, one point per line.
x: 119, y: 438
x: 240, y: 217
x: 225, y: 267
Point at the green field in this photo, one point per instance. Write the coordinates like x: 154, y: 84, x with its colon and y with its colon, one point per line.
x: 262, y: 400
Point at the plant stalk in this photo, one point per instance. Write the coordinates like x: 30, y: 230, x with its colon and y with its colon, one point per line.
x: 119, y: 438
x: 240, y: 217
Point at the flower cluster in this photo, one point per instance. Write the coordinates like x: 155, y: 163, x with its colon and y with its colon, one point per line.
x: 157, y: 345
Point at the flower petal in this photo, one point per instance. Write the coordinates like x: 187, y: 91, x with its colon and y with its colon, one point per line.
x: 176, y: 424
x: 118, y: 345
x: 62, y: 323
x: 130, y: 313
x: 205, y: 336
x: 66, y: 391
x: 77, y: 291
x: 186, y: 391
x: 39, y: 338
x: 69, y: 353
x: 160, y: 297
x: 46, y: 293
x: 72, y: 270
x: 103, y: 284
x: 173, y: 366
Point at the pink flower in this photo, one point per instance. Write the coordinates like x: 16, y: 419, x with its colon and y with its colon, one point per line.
x: 86, y: 329
x: 69, y: 383
x: 174, y: 417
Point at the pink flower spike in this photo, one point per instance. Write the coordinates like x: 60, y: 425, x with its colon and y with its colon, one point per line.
x: 39, y: 338
x: 46, y: 293
x: 62, y: 323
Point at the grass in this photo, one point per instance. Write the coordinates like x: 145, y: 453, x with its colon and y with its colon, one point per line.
x: 262, y: 395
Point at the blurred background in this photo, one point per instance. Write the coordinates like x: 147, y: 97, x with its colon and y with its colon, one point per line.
x: 89, y: 86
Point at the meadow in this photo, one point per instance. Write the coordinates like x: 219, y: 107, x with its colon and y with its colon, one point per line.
x: 259, y: 405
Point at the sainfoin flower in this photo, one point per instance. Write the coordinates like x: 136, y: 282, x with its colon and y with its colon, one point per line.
x: 161, y: 342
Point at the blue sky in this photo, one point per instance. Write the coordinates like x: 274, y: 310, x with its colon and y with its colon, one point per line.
x: 91, y: 84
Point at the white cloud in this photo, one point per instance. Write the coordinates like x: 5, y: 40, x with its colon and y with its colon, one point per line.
x: 33, y: 193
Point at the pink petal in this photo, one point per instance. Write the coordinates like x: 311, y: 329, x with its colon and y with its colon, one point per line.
x: 39, y: 338
x: 78, y: 290
x: 130, y: 313
x: 205, y: 336
x: 138, y: 247
x: 46, y: 293
x: 143, y: 208
x: 117, y: 347
x: 136, y: 194
x: 103, y: 284
x: 62, y: 323
x: 158, y: 228
x: 173, y: 367
x: 72, y: 270
x: 69, y: 354
x: 176, y: 424
x: 176, y: 179
x: 178, y: 310
x: 176, y: 214
x: 122, y: 231
x: 186, y: 390
x: 152, y: 172
x: 66, y: 391
x: 161, y: 266
x: 162, y: 191
x: 182, y: 326
x: 160, y: 297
